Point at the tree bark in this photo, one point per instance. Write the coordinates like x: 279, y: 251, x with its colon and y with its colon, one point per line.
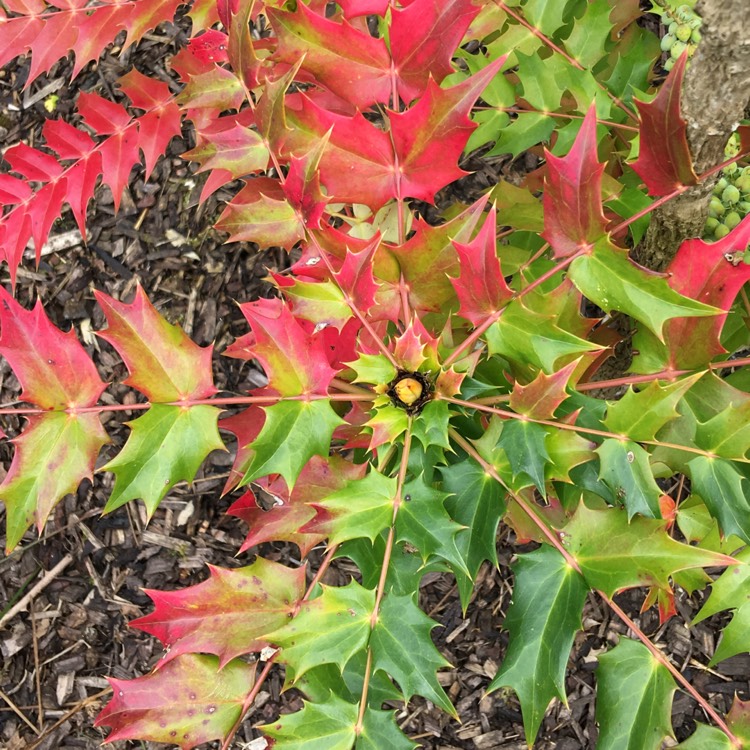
x: 715, y: 96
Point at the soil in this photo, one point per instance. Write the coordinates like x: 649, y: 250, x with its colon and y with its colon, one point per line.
x: 74, y: 632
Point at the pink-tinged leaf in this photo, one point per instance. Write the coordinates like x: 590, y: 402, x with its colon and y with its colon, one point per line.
x: 355, y: 277
x: 283, y: 521
x: 245, y: 426
x: 294, y: 360
x: 349, y: 62
x: 119, y: 156
x: 227, y: 614
x: 163, y: 362
x: 480, y: 287
x: 155, y: 131
x: 13, y: 190
x: 417, y: 56
x: 144, y: 92
x: 302, y: 185
x: 354, y: 8
x: 664, y: 162
x: 240, y: 50
x: 210, y: 46
x: 54, y: 454
x: 43, y: 209
x: 415, y: 349
x: 81, y: 180
x: 711, y: 273
x: 218, y: 89
x: 53, y: 368
x: 15, y: 232
x: 53, y: 42
x: 187, y: 702
x: 573, y: 215
x: 68, y: 142
x: 238, y: 150
x: 18, y: 35
x: 32, y: 163
x: 541, y: 397
x: 96, y: 31
x: 319, y: 302
x: 100, y: 114
x: 261, y: 213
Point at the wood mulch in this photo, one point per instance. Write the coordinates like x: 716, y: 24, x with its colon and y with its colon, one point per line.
x: 83, y: 580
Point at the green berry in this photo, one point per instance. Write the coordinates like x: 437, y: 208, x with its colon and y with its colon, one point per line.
x: 669, y: 64
x: 743, y: 183
x: 730, y: 169
x: 711, y: 224
x: 744, y: 207
x: 667, y: 42
x: 695, y: 36
x: 730, y: 195
x: 673, y: 28
x: 683, y: 32
x: 720, y: 185
x: 677, y: 49
x: 732, y: 219
x: 721, y: 231
x: 717, y: 207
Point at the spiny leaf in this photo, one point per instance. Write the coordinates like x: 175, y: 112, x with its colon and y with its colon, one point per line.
x: 402, y: 647
x: 327, y: 630
x: 227, y: 614
x: 706, y: 738
x: 524, y: 445
x: 615, y: 553
x: 163, y: 362
x: 543, y: 618
x: 541, y: 397
x: 738, y: 719
x: 634, y: 701
x: 166, y: 445
x: 187, y: 702
x: 664, y: 162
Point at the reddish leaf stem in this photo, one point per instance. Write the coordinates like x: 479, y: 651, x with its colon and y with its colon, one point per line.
x: 554, y: 540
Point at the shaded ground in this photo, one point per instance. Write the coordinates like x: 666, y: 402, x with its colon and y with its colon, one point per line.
x: 55, y: 655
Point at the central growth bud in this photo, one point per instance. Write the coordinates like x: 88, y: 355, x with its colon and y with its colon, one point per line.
x: 410, y: 391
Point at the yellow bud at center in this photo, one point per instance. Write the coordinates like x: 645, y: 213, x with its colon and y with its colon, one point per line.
x: 408, y: 390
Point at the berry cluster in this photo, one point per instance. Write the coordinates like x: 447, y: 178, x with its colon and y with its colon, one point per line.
x: 730, y: 202
x: 683, y: 32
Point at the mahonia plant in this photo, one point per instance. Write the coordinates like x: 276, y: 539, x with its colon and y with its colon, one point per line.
x: 426, y: 380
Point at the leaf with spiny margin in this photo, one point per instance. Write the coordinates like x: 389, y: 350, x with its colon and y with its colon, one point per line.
x: 373, y: 368
x: 477, y: 502
x: 641, y: 414
x: 545, y: 16
x: 163, y: 362
x: 238, y: 150
x: 294, y: 432
x: 226, y: 615
x: 423, y: 522
x: 614, y: 553
x: 540, y: 398
x: 362, y: 508
x: 724, y: 491
x: 53, y: 455
x: 566, y: 450
x: 380, y: 730
x: 432, y: 426
x: 531, y: 341
x: 320, y: 302
x: 664, y: 162
x: 543, y: 618
x: 728, y: 433
x: 480, y: 287
x: 573, y: 214
x: 591, y: 32
x: 738, y: 720
x: 608, y: 277
x: 524, y: 445
x: 186, y: 703
x: 327, y: 630
x: 401, y: 646
x: 355, y: 277
x: 52, y: 367
x: 388, y: 423
x: 625, y: 469
x: 730, y: 591
x: 218, y: 89
x: 166, y: 445
x: 706, y: 738
x: 634, y: 699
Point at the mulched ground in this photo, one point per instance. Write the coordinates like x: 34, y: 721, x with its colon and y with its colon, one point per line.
x: 74, y: 632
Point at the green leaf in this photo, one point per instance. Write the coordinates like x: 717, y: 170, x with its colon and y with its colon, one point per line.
x: 706, y: 738
x: 423, y: 521
x: 293, y: 432
x: 543, y: 618
x: 431, y: 426
x: 363, y: 508
x: 608, y: 277
x: 380, y: 731
x: 590, y: 34
x: 524, y: 445
x: 546, y: 16
x: 327, y: 630
x: 727, y: 434
x: 402, y: 647
x: 730, y: 591
x: 373, y: 368
x: 616, y: 554
x: 166, y: 445
x: 626, y: 470
x: 725, y: 492
x: 641, y: 414
x: 528, y: 129
x: 634, y: 701
x: 319, y: 302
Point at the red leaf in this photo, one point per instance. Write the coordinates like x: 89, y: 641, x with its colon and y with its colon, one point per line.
x: 227, y: 614
x: 417, y: 56
x: 573, y: 215
x: 119, y: 155
x: 664, y: 162
x: 32, y: 163
x: 163, y: 362
x: 353, y: 8
x: 185, y: 703
x: 245, y: 426
x: 103, y: 116
x: 53, y: 368
x: 355, y: 277
x: 144, y: 92
x: 302, y: 185
x: 480, y: 287
x: 68, y: 142
x: 57, y: 36
x: 210, y: 46
x: 540, y: 398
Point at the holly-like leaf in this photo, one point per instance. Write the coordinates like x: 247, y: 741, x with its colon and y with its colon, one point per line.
x: 625, y: 469
x: 634, y: 701
x: 54, y: 454
x: 166, y: 445
x: 524, y: 445
x: 362, y: 508
x: 402, y: 647
x: 738, y: 719
x: 53, y: 368
x: 227, y: 614
x: 355, y: 278
x: 573, y: 215
x: 608, y: 277
x: 187, y: 702
x: 615, y: 553
x: 327, y: 630
x: 294, y: 432
x: 706, y: 738
x: 541, y: 397
x: 163, y: 362
x: 237, y: 150
x: 664, y: 162
x: 543, y: 618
